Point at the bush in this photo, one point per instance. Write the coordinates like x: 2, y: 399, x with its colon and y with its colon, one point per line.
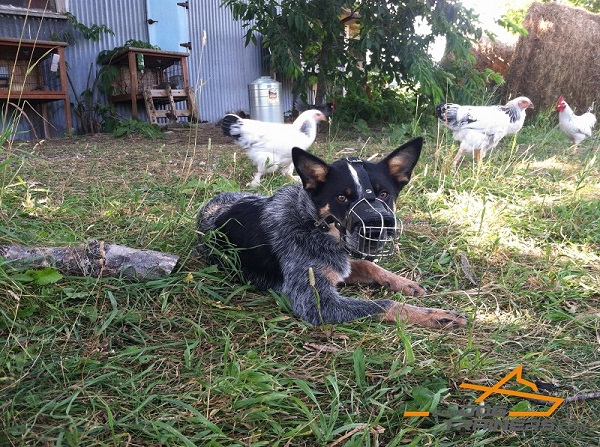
x: 389, y: 106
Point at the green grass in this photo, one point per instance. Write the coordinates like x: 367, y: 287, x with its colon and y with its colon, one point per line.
x: 198, y: 358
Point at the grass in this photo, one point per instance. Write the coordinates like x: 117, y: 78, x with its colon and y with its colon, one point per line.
x: 199, y: 358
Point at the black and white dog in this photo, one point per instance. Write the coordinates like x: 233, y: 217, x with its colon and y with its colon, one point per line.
x: 304, y: 240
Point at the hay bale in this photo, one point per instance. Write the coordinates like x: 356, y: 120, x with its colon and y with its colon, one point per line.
x: 495, y: 55
x: 556, y: 58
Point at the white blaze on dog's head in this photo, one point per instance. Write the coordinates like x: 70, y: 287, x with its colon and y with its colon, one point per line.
x: 354, y: 174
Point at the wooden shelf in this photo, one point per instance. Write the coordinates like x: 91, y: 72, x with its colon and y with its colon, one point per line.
x: 158, y: 64
x: 28, y: 63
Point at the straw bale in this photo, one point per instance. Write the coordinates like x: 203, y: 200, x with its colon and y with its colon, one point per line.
x: 495, y: 55
x: 557, y: 57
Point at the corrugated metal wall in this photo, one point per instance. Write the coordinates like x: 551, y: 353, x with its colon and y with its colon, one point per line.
x: 220, y: 71
x: 126, y: 19
x: 223, y: 68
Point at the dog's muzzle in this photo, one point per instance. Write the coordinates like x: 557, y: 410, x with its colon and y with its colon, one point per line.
x: 368, y: 231
x: 371, y: 228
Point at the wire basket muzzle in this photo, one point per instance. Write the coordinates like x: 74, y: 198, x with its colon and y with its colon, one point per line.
x: 371, y: 228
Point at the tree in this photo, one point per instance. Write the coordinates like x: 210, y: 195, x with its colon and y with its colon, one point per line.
x: 307, y: 41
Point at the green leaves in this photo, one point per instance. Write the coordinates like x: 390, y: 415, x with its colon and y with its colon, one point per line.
x: 339, y: 44
x: 39, y: 277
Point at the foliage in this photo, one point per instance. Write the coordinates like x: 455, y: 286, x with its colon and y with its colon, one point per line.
x: 306, y: 41
x: 93, y: 114
x: 93, y: 32
x: 468, y: 86
x: 105, y: 56
x: 590, y: 5
x: 388, y: 106
x: 135, y: 126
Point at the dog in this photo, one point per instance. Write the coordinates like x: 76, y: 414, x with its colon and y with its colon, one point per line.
x: 307, y: 239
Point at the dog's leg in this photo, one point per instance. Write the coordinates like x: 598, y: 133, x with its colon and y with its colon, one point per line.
x: 366, y: 272
x: 424, y: 316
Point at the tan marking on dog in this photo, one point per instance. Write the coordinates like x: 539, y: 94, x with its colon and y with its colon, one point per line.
x: 397, y: 168
x: 367, y: 272
x: 333, y: 231
x: 316, y: 174
x: 424, y: 316
x: 332, y: 275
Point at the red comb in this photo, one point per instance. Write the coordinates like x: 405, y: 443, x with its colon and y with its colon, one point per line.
x: 561, y: 99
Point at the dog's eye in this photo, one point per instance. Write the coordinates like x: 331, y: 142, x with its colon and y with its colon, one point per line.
x: 383, y: 195
x: 342, y: 198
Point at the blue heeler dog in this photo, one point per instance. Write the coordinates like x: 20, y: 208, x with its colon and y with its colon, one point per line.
x: 306, y: 239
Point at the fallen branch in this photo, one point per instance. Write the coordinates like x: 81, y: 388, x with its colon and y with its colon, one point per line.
x: 95, y: 258
x: 569, y: 399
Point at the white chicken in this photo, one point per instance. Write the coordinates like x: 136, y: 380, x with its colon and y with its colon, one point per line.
x: 576, y: 127
x: 480, y: 128
x: 269, y: 145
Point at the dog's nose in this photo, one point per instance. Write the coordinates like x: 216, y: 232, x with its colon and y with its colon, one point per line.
x: 373, y: 214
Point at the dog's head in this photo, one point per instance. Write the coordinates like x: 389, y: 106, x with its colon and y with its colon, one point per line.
x: 355, y: 199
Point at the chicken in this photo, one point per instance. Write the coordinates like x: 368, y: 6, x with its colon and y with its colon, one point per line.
x: 269, y: 145
x: 480, y: 128
x: 327, y: 108
x: 576, y: 127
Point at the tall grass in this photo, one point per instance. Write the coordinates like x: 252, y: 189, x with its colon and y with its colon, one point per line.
x: 198, y: 358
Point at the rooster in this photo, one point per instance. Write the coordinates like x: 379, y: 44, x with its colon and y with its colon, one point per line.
x: 576, y: 127
x: 269, y: 145
x: 327, y: 108
x: 480, y: 128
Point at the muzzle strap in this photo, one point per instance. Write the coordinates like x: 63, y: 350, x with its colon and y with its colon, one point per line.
x: 323, y: 224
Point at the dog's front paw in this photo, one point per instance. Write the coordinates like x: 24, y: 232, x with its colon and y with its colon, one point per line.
x: 425, y: 316
x: 405, y: 286
x: 445, y: 319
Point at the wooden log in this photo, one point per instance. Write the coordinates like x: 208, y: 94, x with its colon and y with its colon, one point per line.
x: 95, y: 258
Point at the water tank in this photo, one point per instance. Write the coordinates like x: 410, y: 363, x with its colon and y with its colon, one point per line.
x: 265, y: 100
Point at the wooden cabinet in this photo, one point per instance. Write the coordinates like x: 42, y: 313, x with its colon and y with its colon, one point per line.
x: 157, y: 78
x: 32, y: 74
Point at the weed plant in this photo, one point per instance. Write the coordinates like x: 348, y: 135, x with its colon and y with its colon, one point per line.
x: 200, y: 358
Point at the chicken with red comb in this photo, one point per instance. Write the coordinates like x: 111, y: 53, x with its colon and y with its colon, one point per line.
x: 576, y: 127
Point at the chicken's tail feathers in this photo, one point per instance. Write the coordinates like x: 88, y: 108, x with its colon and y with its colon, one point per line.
x: 325, y: 108
x: 300, y: 105
x: 591, y: 108
x: 231, y: 125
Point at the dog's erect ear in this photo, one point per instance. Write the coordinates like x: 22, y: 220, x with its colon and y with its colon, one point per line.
x: 312, y: 170
x: 402, y: 161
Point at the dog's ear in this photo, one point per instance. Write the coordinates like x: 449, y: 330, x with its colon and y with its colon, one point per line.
x: 311, y: 169
x: 402, y: 161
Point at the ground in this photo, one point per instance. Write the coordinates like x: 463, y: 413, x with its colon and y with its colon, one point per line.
x: 200, y: 358
x: 193, y: 152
